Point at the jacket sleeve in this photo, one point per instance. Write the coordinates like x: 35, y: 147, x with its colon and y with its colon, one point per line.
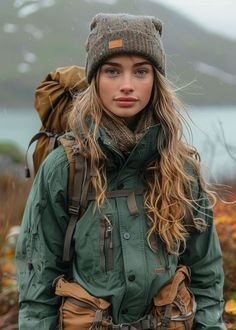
x: 204, y: 258
x: 40, y: 246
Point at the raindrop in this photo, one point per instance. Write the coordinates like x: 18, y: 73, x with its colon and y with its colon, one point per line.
x: 32, y: 30
x: 19, y: 3
x: 28, y: 10
x: 30, y: 57
x: 47, y: 3
x: 107, y: 2
x: 10, y: 28
x: 23, y: 67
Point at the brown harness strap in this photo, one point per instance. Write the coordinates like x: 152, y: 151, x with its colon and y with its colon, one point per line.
x: 129, y: 193
x: 148, y: 322
x: 51, y: 136
x: 78, y: 186
x: 77, y: 177
x: 131, y: 203
x: 118, y: 193
x: 52, y: 142
x: 166, y: 317
x: 85, y: 186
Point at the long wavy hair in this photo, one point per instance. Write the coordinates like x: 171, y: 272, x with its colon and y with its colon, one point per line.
x: 168, y: 199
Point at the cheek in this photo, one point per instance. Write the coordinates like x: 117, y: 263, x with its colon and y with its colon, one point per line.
x: 147, y: 92
x: 105, y: 90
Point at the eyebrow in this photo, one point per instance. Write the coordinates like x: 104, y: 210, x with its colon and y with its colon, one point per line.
x: 120, y: 65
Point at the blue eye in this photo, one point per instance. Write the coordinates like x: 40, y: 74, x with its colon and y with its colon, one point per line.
x: 141, y: 72
x: 112, y: 72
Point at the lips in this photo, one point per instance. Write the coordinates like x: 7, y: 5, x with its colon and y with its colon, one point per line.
x: 125, y: 102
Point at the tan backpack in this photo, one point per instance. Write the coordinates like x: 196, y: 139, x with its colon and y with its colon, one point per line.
x: 53, y: 102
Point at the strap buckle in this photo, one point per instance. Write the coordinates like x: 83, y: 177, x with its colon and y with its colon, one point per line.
x: 74, y: 208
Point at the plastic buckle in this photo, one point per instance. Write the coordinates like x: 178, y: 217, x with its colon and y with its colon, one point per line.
x: 74, y: 210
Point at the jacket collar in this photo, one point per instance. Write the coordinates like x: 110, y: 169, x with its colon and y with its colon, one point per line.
x: 143, y: 152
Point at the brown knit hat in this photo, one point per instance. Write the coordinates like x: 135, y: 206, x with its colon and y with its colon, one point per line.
x: 116, y: 34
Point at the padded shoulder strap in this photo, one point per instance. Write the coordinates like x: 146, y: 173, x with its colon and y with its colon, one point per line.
x: 78, y: 185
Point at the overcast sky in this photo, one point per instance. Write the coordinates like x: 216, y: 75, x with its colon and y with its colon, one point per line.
x: 215, y: 15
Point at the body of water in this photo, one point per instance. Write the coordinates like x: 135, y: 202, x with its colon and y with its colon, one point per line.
x: 213, y: 134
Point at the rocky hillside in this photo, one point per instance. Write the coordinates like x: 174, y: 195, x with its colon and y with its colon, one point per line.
x: 38, y: 36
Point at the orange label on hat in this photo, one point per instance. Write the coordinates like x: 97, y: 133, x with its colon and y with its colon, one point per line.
x: 115, y: 43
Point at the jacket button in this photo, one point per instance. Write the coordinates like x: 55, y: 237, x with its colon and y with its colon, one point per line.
x: 126, y: 236
x: 125, y: 311
x: 131, y: 278
x: 120, y: 186
x: 30, y: 266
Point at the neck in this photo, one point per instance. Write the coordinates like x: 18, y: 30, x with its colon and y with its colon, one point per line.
x: 131, y: 122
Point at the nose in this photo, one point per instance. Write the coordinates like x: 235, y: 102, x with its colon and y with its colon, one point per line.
x: 127, y: 84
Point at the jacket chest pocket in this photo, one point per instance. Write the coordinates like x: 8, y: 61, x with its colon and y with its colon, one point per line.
x: 106, y: 243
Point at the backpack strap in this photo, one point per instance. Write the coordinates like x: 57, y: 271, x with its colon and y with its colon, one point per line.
x: 51, y: 145
x: 78, y: 184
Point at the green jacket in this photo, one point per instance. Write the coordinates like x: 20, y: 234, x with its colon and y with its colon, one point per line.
x: 127, y: 273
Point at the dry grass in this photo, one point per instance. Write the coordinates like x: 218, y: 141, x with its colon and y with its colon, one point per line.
x: 13, y: 195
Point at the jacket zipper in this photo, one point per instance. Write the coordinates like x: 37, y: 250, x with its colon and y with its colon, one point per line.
x: 106, y: 244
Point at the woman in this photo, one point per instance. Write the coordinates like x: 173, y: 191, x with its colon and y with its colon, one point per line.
x: 126, y: 246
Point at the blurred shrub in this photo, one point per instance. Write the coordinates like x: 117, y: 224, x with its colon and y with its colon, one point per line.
x: 11, y: 150
x: 13, y: 195
x: 225, y: 220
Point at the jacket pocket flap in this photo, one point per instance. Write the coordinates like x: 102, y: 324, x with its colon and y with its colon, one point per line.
x: 169, y: 291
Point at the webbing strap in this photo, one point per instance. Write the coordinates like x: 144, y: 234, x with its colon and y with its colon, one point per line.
x: 166, y: 317
x: 77, y: 173
x: 123, y: 327
x: 74, y: 207
x: 85, y: 186
x: 131, y: 203
x: 79, y: 169
x: 52, y: 142
x: 33, y: 139
x: 68, y: 237
x: 118, y: 193
x: 146, y: 323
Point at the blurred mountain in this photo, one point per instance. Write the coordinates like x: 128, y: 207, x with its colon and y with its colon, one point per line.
x: 39, y: 36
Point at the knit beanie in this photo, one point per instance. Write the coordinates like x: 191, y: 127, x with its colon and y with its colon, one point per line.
x: 123, y: 34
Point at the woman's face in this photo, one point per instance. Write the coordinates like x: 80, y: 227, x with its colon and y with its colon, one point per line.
x: 125, y: 85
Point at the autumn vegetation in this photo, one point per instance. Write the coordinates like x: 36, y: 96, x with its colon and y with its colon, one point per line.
x: 13, y: 195
x: 225, y: 221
